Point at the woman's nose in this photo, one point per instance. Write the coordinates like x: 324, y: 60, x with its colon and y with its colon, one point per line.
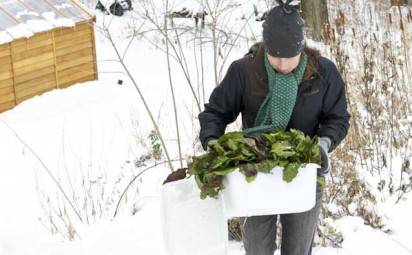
x: 283, y: 67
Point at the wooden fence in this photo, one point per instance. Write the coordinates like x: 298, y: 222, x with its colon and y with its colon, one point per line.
x: 53, y: 59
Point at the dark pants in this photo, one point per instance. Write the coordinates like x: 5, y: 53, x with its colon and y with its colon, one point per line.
x: 298, y: 230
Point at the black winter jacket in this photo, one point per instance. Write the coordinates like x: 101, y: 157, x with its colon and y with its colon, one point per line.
x: 320, y: 109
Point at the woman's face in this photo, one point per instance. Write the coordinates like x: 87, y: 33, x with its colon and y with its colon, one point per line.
x: 284, y: 65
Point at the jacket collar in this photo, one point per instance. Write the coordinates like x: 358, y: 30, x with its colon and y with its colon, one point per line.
x: 256, y: 54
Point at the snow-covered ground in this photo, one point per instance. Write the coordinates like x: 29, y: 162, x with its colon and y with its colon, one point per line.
x: 88, y: 136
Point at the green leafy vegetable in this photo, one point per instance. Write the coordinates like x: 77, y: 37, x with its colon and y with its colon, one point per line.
x: 252, y: 154
x: 290, y: 172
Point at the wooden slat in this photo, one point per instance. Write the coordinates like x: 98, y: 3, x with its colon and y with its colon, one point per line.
x: 5, y: 60
x: 34, y: 74
x: 6, y: 105
x: 33, y: 60
x: 6, y: 75
x: 5, y: 68
x: 75, y: 62
x: 74, y: 55
x: 74, y: 47
x: 30, y: 45
x: 85, y: 69
x: 32, y: 53
x: 5, y: 51
x: 38, y: 37
x: 33, y: 91
x: 6, y: 71
x: 6, y: 83
x: 67, y: 76
x: 6, y: 90
x: 4, y: 46
x: 35, y: 82
x: 84, y: 26
x: 72, y: 41
x: 69, y: 36
x: 79, y: 80
x: 61, y: 31
x: 66, y: 30
x: 22, y: 99
x: 7, y: 97
x: 73, y: 77
x: 33, y: 67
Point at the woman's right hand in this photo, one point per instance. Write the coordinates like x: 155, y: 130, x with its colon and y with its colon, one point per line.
x: 209, y: 149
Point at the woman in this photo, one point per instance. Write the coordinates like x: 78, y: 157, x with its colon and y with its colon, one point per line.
x: 281, y: 84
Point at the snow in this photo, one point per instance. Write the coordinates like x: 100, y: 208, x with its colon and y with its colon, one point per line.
x: 5, y: 37
x: 24, y: 27
x: 19, y: 31
x: 93, y: 131
x: 57, y: 21
x: 361, y: 239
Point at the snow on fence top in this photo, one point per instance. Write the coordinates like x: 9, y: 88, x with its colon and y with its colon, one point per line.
x: 24, y: 18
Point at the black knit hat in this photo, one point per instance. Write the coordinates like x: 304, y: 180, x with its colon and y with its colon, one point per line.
x: 283, y: 31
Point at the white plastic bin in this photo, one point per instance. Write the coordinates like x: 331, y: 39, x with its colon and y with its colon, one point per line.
x: 190, y: 225
x: 269, y: 193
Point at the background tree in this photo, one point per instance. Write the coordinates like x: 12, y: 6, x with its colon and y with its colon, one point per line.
x: 315, y: 14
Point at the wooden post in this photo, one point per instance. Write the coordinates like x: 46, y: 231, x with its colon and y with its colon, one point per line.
x: 55, y: 59
x: 12, y: 71
x: 96, y: 74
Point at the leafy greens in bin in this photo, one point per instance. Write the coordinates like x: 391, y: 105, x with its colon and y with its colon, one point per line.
x: 252, y: 154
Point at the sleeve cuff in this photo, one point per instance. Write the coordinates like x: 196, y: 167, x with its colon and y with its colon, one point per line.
x: 207, y: 141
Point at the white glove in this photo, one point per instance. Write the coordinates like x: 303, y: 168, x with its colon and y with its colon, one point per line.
x: 325, y: 144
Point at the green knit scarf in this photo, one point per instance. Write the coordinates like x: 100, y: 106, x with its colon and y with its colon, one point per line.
x: 276, y: 109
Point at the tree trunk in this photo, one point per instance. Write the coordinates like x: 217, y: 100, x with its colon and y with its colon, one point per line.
x: 315, y: 13
x: 401, y: 2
